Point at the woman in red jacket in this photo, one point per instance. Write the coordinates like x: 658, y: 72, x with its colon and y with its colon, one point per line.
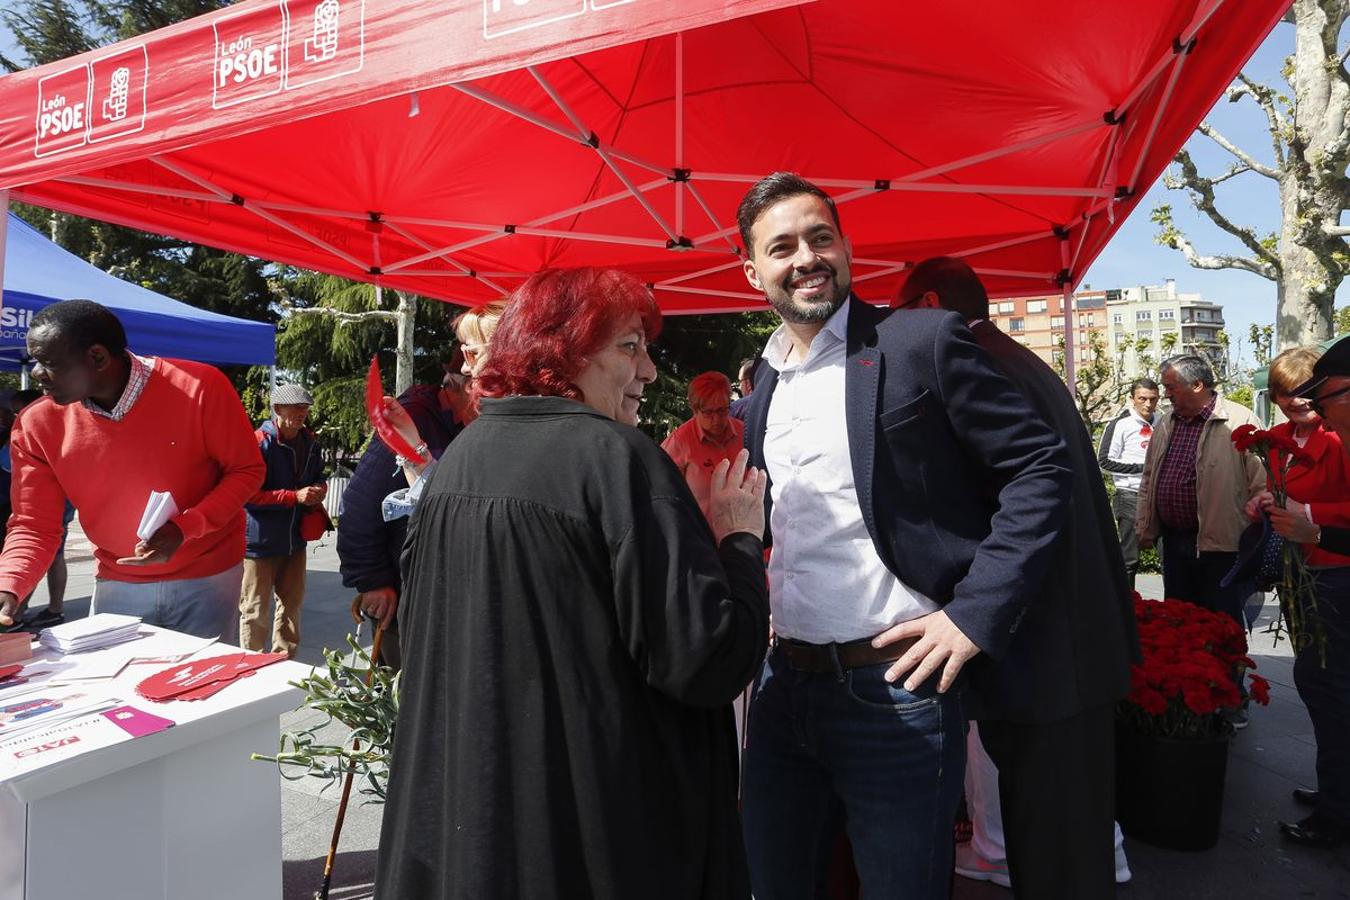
x: 1318, y: 494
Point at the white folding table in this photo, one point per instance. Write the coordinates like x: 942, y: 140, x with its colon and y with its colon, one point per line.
x: 182, y: 814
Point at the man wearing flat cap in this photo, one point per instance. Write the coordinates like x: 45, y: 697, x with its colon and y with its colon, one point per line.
x: 274, y: 561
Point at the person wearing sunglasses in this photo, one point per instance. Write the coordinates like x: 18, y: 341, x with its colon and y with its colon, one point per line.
x: 1121, y: 452
x: 1323, y: 528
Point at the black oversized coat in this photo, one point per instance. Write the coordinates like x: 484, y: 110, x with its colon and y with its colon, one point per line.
x: 572, y: 642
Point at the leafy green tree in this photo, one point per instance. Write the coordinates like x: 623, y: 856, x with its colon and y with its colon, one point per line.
x: 691, y: 345
x: 1099, y: 382
x: 332, y: 328
x: 48, y: 30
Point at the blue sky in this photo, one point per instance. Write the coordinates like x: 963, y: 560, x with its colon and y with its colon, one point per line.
x: 1133, y: 258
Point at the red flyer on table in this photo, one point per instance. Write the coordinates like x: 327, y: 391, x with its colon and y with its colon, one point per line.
x: 201, y: 678
x: 375, y: 409
x: 179, y: 679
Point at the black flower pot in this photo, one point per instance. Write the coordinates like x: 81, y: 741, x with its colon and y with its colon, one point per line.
x: 1169, y: 792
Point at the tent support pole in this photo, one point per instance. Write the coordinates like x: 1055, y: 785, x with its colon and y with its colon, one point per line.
x: 679, y: 130
x: 4, y: 240
x: 1070, y: 325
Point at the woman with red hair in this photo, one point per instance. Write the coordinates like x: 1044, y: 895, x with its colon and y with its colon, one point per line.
x: 575, y: 631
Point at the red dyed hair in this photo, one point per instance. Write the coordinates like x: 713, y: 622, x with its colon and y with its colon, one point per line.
x: 553, y: 322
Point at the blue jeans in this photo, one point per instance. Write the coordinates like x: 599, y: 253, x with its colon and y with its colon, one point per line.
x: 892, y: 760
x: 205, y: 607
x: 1325, y: 691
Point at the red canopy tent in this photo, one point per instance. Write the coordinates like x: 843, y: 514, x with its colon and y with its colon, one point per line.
x: 452, y: 147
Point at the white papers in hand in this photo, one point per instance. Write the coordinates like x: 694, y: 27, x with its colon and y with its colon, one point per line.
x: 159, y: 509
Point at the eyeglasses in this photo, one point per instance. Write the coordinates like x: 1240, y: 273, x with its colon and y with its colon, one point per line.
x: 1319, y: 403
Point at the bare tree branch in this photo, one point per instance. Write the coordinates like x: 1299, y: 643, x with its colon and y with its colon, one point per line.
x: 1221, y: 261
x: 1247, y: 159
x: 1201, y: 190
x: 1234, y: 170
x: 1264, y: 97
x: 345, y: 317
x: 1336, y: 230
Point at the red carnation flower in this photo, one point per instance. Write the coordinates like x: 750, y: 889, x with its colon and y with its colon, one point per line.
x: 1260, y: 690
x: 1244, y: 437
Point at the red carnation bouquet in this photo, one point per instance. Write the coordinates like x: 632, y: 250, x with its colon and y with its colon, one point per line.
x: 1296, y: 589
x: 1193, y: 661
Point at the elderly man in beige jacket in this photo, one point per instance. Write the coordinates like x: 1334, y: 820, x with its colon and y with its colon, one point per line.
x: 1194, y: 487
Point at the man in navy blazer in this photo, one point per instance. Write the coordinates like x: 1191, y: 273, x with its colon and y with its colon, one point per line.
x: 1047, y: 709
x: 915, y: 502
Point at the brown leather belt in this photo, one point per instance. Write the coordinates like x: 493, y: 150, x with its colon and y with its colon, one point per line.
x: 806, y: 657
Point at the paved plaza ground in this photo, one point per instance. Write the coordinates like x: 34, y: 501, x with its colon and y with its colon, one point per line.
x: 1270, y: 758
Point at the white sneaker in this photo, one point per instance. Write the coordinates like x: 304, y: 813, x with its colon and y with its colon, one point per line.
x: 972, y: 865
x: 1123, y: 873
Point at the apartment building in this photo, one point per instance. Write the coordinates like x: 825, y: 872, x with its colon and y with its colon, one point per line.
x: 1149, y: 321
x: 1038, y: 322
x: 1157, y: 321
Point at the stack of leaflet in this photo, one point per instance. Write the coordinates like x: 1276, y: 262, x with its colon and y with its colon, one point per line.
x: 92, y: 633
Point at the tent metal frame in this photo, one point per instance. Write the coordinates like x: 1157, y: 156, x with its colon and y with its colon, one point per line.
x: 1099, y: 198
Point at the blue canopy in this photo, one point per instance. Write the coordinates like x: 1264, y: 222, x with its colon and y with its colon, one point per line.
x: 38, y: 273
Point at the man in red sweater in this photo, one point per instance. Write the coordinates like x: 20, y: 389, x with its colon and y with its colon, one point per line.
x: 114, y: 427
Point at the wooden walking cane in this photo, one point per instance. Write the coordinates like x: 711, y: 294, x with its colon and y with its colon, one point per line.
x: 322, y: 892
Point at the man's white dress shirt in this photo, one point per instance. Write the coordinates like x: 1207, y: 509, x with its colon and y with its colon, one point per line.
x: 826, y: 582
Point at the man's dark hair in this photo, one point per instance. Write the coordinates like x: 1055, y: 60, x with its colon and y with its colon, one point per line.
x: 24, y: 397
x: 769, y: 190
x: 958, y: 288
x: 82, y: 324
x: 1147, y: 384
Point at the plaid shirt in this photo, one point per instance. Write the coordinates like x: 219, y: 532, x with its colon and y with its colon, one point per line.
x: 1175, y: 498
x: 141, y: 367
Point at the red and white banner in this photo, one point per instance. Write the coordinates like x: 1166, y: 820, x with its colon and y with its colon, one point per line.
x: 266, y: 62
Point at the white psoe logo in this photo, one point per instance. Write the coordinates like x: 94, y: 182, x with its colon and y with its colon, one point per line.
x: 115, y: 104
x: 241, y: 61
x: 324, y: 44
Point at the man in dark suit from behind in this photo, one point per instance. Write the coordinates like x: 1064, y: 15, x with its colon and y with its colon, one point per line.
x: 1047, y: 708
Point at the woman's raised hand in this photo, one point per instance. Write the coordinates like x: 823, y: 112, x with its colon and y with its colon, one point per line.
x: 736, y: 498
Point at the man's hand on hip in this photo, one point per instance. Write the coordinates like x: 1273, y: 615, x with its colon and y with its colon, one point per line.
x: 161, y: 547
x: 940, y: 644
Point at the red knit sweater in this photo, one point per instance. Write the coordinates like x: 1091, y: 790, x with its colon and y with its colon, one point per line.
x: 186, y: 434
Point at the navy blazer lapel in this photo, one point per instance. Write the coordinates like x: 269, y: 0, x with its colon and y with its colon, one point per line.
x: 757, y: 412
x: 862, y: 379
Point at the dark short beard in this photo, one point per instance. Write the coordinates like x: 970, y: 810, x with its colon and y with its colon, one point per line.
x: 810, y: 316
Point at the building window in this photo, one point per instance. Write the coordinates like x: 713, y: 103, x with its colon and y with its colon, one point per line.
x: 1201, y: 315
x: 1016, y: 324
x: 1143, y: 315
x: 1144, y: 333
x: 1007, y: 306
x: 1091, y: 320
x: 1035, y: 306
x: 1167, y: 314
x: 1056, y: 321
x: 1118, y: 319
